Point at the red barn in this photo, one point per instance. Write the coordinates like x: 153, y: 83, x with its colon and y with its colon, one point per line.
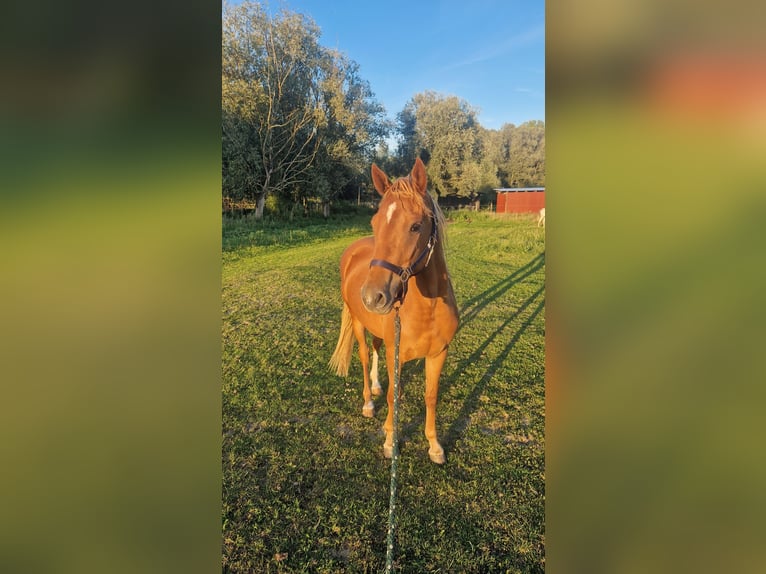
x: 520, y: 199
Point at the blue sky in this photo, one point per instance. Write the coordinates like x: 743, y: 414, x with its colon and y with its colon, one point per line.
x: 490, y: 53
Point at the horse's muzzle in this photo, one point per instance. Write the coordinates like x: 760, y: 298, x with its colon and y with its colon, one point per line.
x: 377, y: 300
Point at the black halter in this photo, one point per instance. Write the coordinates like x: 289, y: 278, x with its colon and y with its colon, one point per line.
x: 405, y: 273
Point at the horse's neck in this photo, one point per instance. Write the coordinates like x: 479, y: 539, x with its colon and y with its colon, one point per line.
x: 438, y: 257
x: 436, y: 276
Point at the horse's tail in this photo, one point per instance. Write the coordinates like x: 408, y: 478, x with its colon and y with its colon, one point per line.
x: 341, y: 358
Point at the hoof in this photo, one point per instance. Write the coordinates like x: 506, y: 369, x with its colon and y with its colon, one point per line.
x: 388, y: 451
x: 368, y: 410
x: 437, y: 456
x: 376, y: 389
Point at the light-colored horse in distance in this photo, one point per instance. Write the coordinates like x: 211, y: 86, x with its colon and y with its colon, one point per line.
x: 401, y: 264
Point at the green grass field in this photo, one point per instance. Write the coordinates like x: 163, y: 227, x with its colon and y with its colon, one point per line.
x: 305, y: 484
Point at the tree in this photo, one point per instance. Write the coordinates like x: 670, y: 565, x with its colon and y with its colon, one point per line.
x: 409, y: 144
x: 271, y: 101
x: 355, y: 125
x: 520, y: 154
x: 297, y: 119
x: 444, y: 130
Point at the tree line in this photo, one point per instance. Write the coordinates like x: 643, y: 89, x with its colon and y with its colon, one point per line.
x: 300, y: 124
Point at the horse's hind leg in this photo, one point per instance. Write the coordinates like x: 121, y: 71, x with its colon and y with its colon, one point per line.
x: 368, y: 409
x: 433, y: 372
x: 376, y: 389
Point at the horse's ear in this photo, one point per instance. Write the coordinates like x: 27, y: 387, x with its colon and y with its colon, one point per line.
x: 419, y: 177
x: 379, y: 179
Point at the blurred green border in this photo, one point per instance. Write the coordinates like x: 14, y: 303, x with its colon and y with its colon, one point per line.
x: 655, y: 312
x: 110, y: 289
x: 109, y: 182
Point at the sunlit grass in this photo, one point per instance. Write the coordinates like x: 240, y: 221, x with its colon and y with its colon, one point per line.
x: 305, y: 485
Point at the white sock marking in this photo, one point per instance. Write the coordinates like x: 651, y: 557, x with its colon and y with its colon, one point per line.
x: 376, y: 388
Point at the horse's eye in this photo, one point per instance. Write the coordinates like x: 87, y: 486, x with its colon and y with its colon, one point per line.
x: 415, y: 227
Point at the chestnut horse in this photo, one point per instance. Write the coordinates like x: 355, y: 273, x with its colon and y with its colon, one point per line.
x: 375, y: 272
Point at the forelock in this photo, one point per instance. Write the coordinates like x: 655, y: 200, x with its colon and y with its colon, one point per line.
x: 403, y: 189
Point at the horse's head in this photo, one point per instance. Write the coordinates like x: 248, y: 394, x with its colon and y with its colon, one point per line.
x: 405, y: 234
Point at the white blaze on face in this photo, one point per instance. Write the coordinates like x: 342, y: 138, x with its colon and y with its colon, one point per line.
x: 390, y: 212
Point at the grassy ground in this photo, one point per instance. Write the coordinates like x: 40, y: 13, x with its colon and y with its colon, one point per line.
x: 305, y: 484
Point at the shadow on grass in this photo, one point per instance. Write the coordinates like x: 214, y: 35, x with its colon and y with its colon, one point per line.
x: 471, y: 403
x: 474, y: 306
x: 237, y: 234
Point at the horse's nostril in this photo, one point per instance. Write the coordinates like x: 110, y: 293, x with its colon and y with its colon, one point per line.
x: 373, y: 298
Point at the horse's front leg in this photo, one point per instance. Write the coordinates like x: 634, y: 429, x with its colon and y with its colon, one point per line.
x: 388, y: 426
x: 368, y: 409
x: 433, y: 372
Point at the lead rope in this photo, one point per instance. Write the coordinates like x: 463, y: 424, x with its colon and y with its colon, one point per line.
x: 395, y: 456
